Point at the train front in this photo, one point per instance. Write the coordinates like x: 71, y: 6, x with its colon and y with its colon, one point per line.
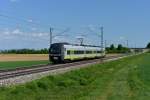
x: 55, y: 53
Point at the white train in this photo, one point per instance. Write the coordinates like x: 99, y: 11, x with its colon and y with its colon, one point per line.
x: 60, y: 52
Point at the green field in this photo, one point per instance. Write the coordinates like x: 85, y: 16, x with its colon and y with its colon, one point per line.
x: 19, y: 64
x: 125, y: 79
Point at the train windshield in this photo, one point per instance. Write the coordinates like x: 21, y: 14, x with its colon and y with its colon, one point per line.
x: 55, y: 49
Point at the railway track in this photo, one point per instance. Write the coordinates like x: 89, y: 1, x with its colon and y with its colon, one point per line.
x: 6, y: 74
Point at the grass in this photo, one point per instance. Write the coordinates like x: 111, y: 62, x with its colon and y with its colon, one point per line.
x: 18, y: 64
x: 125, y: 79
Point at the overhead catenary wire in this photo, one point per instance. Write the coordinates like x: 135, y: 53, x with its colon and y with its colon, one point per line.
x: 45, y: 26
x: 31, y: 22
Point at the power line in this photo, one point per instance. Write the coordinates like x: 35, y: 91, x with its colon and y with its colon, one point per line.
x: 62, y: 33
x: 59, y: 34
x: 29, y: 21
x: 91, y: 30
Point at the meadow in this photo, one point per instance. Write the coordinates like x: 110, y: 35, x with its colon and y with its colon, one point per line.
x: 19, y: 64
x: 12, y: 61
x: 124, y: 79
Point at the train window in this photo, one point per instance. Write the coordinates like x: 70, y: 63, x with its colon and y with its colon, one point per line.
x: 79, y: 52
x: 55, y: 49
x: 75, y: 52
x: 68, y: 52
x: 99, y: 52
x: 88, y: 52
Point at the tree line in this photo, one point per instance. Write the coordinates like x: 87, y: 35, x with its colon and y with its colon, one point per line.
x: 111, y: 49
x: 118, y: 49
x: 25, y: 51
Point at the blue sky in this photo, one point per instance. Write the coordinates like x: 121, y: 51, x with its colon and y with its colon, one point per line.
x: 26, y: 22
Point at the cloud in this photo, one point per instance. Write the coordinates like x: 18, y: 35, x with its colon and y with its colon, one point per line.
x: 32, y: 21
x: 27, y: 39
x: 78, y: 37
x: 40, y: 35
x: 60, y: 39
x: 17, y: 32
x: 21, y: 34
x: 23, y: 39
x: 121, y: 37
x: 5, y: 32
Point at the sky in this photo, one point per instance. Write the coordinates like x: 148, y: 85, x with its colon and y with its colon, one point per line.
x: 26, y: 23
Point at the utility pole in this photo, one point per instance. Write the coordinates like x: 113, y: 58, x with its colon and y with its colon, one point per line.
x: 50, y: 40
x: 81, y: 39
x: 102, y: 31
x: 105, y: 43
x: 51, y: 29
x: 127, y: 44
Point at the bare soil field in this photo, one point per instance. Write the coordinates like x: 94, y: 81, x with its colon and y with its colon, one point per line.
x: 23, y: 57
x: 29, y: 57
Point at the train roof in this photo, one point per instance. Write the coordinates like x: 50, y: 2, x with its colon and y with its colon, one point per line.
x: 65, y: 43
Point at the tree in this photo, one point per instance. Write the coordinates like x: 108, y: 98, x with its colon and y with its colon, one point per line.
x: 25, y: 51
x: 120, y: 47
x: 112, y: 47
x: 148, y: 45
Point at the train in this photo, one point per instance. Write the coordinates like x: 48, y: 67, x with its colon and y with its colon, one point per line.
x: 63, y: 52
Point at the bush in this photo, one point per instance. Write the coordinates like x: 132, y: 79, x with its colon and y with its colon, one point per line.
x: 32, y: 86
x: 15, y: 91
x: 66, y: 83
x: 51, y: 78
x: 3, y: 88
x: 42, y: 85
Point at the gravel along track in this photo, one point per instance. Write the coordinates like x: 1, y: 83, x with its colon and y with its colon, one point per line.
x: 18, y: 76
